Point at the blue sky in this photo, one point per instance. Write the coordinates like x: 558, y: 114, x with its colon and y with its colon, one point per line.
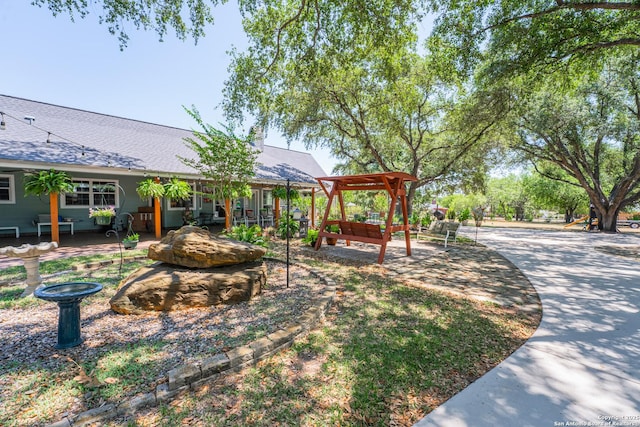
x: 80, y: 65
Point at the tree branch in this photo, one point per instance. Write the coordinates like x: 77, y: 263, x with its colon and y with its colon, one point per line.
x: 279, y: 32
x: 569, y: 6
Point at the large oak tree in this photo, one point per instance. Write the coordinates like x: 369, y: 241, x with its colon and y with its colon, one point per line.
x: 590, y: 130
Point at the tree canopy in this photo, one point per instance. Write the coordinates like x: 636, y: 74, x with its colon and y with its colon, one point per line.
x: 324, y: 73
x: 520, y: 35
x: 156, y: 15
x: 224, y: 158
x: 564, y: 194
x: 589, y: 130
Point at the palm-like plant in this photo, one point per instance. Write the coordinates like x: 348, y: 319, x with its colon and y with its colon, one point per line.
x: 175, y: 189
x: 49, y: 182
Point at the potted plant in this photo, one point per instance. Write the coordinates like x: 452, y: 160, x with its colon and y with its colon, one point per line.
x: 174, y: 189
x: 102, y: 216
x: 380, y: 204
x: 464, y: 216
x: 177, y: 189
x: 131, y: 241
x: 287, y: 224
x: 332, y: 228
x: 52, y: 183
x: 451, y: 214
x: 425, y: 222
x: 150, y: 188
x: 280, y: 192
x: 312, y: 237
x: 414, y: 219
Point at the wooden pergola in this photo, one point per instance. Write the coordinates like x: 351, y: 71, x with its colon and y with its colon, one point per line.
x: 391, y: 182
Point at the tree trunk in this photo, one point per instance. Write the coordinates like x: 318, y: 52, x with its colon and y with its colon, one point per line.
x: 53, y: 213
x: 228, y: 213
x: 608, y: 221
x: 410, y: 196
x: 519, y: 213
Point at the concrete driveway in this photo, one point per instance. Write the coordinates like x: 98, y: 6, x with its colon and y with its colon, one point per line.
x: 582, y: 365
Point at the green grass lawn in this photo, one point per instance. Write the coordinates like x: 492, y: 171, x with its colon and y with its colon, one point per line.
x: 386, y: 354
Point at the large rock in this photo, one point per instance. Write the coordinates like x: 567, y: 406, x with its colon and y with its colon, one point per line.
x: 197, y: 248
x: 163, y: 287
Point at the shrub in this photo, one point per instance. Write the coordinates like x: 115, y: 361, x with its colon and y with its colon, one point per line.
x: 359, y: 218
x: 251, y: 234
x: 312, y: 237
x: 414, y: 219
x: 287, y: 224
x: 465, y: 214
x: 333, y: 228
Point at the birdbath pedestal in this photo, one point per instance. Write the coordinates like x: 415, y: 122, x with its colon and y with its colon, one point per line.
x: 30, y: 255
x: 68, y: 296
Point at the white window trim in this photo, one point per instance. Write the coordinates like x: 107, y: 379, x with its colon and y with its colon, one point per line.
x: 193, y: 200
x: 116, y: 182
x: 12, y: 190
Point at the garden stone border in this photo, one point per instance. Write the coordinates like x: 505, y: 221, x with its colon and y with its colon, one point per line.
x: 193, y: 375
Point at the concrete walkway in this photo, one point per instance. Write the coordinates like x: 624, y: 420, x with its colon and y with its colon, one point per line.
x: 582, y: 366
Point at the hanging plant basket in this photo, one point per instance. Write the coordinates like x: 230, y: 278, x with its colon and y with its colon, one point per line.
x: 103, y: 220
x: 129, y: 244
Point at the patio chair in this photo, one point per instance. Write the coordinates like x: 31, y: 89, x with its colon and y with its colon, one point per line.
x: 266, y: 217
x: 205, y: 218
x: 237, y: 216
x: 250, y: 217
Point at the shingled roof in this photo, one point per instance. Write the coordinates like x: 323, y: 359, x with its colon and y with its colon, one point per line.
x: 85, y: 139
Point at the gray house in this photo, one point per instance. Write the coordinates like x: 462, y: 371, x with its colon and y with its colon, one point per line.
x: 107, y: 156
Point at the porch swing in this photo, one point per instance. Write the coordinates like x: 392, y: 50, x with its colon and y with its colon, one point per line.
x: 391, y: 182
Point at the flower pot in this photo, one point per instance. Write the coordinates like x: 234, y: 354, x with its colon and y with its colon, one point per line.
x: 331, y: 241
x: 103, y: 220
x: 129, y: 244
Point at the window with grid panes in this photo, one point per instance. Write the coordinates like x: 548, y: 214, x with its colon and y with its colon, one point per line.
x: 7, y: 189
x: 92, y: 193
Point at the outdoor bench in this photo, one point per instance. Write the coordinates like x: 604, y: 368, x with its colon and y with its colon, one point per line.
x: 60, y: 225
x: 16, y: 229
x: 440, y: 230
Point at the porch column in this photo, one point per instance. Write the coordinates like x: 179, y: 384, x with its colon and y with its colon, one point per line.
x: 53, y: 208
x: 156, y: 214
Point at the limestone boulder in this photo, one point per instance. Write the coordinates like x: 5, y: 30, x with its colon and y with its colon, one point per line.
x: 163, y: 287
x: 197, y: 248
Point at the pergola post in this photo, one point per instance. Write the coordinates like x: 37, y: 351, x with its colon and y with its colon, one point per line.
x: 313, y: 207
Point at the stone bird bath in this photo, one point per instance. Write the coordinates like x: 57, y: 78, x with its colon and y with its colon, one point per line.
x: 30, y: 255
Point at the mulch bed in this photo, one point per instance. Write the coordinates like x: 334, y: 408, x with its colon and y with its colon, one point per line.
x: 29, y: 334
